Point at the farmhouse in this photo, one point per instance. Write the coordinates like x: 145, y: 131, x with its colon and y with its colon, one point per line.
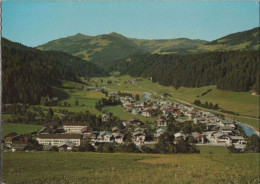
x: 161, y: 122
x: 58, y: 139
x: 74, y: 127
x: 119, y: 138
x: 105, y: 117
x: 159, y: 132
x: 139, y: 135
x: 180, y: 135
x: 8, y: 139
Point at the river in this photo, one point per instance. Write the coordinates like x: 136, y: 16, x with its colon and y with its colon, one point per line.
x: 248, y: 130
x: 147, y: 95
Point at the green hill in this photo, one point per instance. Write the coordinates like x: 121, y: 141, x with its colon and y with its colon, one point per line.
x: 246, y: 40
x: 28, y: 73
x: 105, y: 48
x: 108, y: 47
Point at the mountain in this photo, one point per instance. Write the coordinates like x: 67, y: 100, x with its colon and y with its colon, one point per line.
x: 28, y: 73
x: 246, y: 40
x: 102, y: 49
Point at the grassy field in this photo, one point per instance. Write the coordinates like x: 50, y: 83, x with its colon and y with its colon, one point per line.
x: 46, y: 167
x: 124, y: 115
x: 19, y: 128
x: 213, y: 150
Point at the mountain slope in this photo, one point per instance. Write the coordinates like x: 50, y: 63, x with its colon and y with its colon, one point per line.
x: 29, y: 73
x: 229, y: 70
x: 246, y: 40
x: 102, y: 49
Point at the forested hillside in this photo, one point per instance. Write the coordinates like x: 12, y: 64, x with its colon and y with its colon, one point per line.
x: 28, y: 73
x: 233, y: 70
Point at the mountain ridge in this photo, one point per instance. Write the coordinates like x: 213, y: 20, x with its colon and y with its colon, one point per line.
x: 105, y: 48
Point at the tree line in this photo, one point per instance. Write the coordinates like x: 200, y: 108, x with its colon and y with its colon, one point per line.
x: 229, y: 70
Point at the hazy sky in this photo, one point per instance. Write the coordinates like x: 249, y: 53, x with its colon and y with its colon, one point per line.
x: 33, y: 23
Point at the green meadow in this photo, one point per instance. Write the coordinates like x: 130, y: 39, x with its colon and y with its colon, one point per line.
x: 120, y: 168
x: 19, y: 128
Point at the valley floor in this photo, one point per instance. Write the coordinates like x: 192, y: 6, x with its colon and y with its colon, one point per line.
x: 76, y: 167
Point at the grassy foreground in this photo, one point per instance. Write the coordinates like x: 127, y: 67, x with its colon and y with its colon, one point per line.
x: 47, y: 167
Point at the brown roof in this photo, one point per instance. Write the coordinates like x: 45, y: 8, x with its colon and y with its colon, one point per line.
x: 12, y: 134
x: 133, y: 120
x: 75, y: 123
x: 161, y: 120
x: 60, y: 136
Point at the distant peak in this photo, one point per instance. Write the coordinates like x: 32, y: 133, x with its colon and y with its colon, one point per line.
x: 79, y: 34
x: 115, y: 34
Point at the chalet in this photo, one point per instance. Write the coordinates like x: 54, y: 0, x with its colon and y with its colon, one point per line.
x: 74, y: 127
x: 58, y: 139
x: 133, y: 121
x: 238, y: 140
x: 128, y: 106
x: 8, y: 139
x: 147, y: 113
x: 226, y: 129
x: 92, y: 136
x: 227, y: 122
x: 179, y: 135
x: 219, y: 137
x: 119, y: 138
x: 199, y: 120
x: 200, y: 138
x: 67, y: 146
x: 159, y: 132
x: 115, y: 130
x: 179, y: 120
x: 111, y: 94
x: 167, y: 110
x: 212, y: 126
x: 105, y: 117
x: 105, y: 136
x: 161, y: 122
x: 177, y: 114
x: 19, y: 143
x: 136, y: 111
x: 139, y: 136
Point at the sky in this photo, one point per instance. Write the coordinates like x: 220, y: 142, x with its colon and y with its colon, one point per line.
x: 36, y: 22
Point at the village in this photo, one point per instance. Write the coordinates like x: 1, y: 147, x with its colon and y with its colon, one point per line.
x: 216, y: 130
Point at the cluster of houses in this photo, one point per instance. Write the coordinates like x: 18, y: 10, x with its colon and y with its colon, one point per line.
x: 66, y: 135
x: 220, y: 131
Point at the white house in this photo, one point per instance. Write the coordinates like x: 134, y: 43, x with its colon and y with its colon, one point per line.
x: 74, y: 127
x: 58, y: 139
x: 161, y: 122
x: 159, y: 132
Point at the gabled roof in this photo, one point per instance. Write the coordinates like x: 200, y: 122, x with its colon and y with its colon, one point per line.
x: 218, y: 134
x: 161, y: 120
x: 160, y: 130
x: 237, y: 137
